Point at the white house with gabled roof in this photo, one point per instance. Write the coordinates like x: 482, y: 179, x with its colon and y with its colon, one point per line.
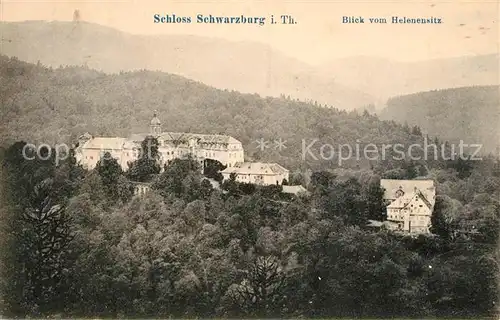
x: 410, y: 204
x: 257, y: 173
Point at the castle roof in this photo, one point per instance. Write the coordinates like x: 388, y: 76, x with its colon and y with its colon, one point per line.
x: 406, y: 199
x: 402, y: 201
x: 294, y: 189
x: 425, y: 187
x: 105, y: 143
x: 200, y: 138
x: 256, y: 168
x: 185, y: 137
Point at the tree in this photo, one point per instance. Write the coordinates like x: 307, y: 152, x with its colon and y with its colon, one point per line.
x: 260, y: 292
x: 76, y: 15
x: 422, y: 171
x: 206, y: 189
x: 246, y: 188
x: 147, y: 165
x: 231, y: 185
x: 212, y: 169
x: 124, y: 189
x: 110, y: 171
x: 410, y: 168
x: 375, y: 206
x: 43, y: 256
x: 270, y: 191
x: 322, y: 179
x: 172, y: 179
x: 344, y: 199
x: 443, y: 219
x: 297, y: 178
x: 416, y: 131
x: 463, y: 167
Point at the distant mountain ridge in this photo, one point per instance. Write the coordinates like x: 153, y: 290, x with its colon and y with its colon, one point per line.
x: 248, y: 67
x: 243, y: 66
x: 385, y: 78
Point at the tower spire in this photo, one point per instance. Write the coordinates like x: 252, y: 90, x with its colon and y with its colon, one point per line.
x: 155, y: 125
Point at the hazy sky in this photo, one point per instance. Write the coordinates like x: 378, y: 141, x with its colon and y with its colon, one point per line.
x: 468, y: 27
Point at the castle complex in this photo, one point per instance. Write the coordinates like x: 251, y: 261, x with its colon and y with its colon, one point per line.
x: 171, y: 145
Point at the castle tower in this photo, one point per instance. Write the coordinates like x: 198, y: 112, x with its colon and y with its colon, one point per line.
x: 155, y: 126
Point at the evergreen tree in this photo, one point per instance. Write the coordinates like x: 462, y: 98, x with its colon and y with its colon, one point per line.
x: 148, y: 163
x: 110, y: 171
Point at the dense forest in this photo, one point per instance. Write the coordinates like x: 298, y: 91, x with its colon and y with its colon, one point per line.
x: 471, y: 114
x: 78, y: 243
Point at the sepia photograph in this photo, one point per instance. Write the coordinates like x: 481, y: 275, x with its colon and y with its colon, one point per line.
x: 249, y: 160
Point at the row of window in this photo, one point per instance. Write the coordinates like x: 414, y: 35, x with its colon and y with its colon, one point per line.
x: 401, y: 217
x: 179, y: 152
x: 172, y: 153
x: 247, y: 177
x: 166, y: 143
x: 393, y: 216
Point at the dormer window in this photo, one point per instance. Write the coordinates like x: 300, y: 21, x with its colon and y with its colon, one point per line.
x: 399, y: 192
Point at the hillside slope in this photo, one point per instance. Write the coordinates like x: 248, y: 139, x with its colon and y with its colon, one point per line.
x: 244, y: 66
x: 40, y: 104
x: 383, y: 78
x: 471, y: 114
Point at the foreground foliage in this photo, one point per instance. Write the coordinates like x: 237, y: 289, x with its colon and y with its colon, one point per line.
x: 77, y: 243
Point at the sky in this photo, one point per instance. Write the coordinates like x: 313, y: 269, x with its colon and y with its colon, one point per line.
x: 468, y: 28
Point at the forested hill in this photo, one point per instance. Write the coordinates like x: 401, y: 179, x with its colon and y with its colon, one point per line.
x: 468, y: 113
x: 244, y: 66
x: 41, y: 104
x: 78, y: 244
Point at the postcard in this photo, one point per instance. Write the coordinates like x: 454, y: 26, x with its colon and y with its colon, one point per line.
x: 249, y: 159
